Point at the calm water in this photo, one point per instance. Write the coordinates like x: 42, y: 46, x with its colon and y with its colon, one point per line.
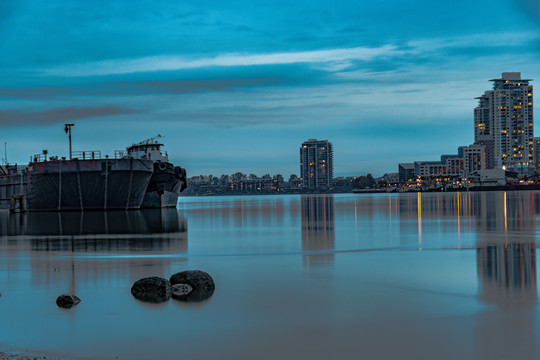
x: 408, y: 276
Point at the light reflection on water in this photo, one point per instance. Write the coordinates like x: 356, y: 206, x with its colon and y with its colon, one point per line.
x: 408, y: 275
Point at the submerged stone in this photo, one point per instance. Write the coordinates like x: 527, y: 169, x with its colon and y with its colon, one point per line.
x: 201, y: 282
x: 67, y: 301
x: 152, y: 289
x: 180, y: 291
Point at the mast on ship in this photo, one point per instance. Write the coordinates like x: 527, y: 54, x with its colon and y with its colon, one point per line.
x: 67, y: 129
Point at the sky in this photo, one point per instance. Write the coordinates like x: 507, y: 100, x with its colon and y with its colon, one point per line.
x: 238, y: 85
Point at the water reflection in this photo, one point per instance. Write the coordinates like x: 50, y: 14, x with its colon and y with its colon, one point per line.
x: 476, y: 303
x: 144, y: 230
x: 318, y: 228
x: 507, y: 273
x: 506, y: 268
x: 94, y: 222
x: 507, y: 280
x: 68, y: 245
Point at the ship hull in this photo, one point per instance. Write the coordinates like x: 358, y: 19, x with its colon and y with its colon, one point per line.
x: 155, y: 200
x: 164, y: 187
x: 78, y: 185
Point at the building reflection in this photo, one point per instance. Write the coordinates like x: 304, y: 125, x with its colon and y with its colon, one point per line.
x: 507, y: 273
x: 506, y: 264
x: 501, y: 226
x: 428, y: 213
x: 317, y: 218
x: 507, y: 282
x: 506, y: 268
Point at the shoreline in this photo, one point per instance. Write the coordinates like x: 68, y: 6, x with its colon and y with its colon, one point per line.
x: 20, y: 356
x: 531, y: 187
x: 13, y: 354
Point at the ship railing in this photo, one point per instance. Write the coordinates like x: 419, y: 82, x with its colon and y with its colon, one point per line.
x: 86, y: 155
x: 123, y: 154
x: 38, y: 158
x: 120, y: 154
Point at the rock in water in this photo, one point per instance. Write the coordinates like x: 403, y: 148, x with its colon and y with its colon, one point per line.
x: 181, y: 291
x: 202, y: 284
x: 152, y: 289
x: 194, y: 278
x: 67, y: 301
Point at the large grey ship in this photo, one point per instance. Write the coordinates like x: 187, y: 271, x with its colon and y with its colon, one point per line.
x: 140, y: 176
x: 86, y: 182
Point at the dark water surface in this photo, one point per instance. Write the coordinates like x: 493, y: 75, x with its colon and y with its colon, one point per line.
x: 398, y: 276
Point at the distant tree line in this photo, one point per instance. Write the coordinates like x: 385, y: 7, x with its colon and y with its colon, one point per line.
x: 240, y: 183
x: 364, y: 182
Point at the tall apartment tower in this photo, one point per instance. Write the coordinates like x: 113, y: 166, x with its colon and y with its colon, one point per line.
x: 503, y: 123
x: 317, y: 164
x: 536, y: 144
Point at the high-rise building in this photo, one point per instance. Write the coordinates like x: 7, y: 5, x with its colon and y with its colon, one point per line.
x: 317, y: 164
x: 536, y: 146
x: 503, y: 122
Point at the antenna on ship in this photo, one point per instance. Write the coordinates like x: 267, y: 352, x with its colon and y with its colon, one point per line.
x: 5, y: 153
x: 67, y: 129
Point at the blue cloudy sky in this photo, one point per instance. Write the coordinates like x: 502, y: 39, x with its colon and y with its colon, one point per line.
x: 239, y: 85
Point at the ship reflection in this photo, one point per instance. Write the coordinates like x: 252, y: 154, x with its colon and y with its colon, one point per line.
x: 143, y: 230
x: 99, y: 245
x: 317, y: 229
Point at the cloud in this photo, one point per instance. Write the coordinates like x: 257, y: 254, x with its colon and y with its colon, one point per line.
x: 191, y: 86
x: 271, y: 115
x: 486, y: 39
x: 329, y: 60
x: 118, y: 88
x: 171, y: 63
x: 22, y: 117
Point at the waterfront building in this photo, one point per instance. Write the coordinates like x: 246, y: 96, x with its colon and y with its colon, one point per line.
x: 467, y: 161
x: 489, y: 155
x: 406, y: 173
x: 453, y: 165
x: 429, y: 168
x: 343, y: 184
x: 295, y: 182
x: 390, y: 178
x: 474, y: 158
x: 503, y: 122
x: 316, y: 164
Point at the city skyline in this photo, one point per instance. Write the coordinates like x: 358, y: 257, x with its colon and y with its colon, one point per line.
x: 236, y: 87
